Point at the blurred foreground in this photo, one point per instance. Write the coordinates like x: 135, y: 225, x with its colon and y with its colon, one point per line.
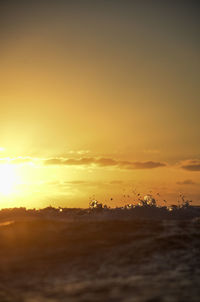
x: 131, y: 255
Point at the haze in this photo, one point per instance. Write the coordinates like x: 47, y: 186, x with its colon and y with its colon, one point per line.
x: 99, y: 99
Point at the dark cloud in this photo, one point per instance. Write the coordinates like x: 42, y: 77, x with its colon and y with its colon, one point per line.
x: 78, y: 162
x: 104, y: 162
x: 186, y: 182
x: 191, y: 165
x: 53, y: 161
x: 141, y: 165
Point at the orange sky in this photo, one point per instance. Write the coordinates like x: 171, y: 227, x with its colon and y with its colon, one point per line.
x: 98, y: 97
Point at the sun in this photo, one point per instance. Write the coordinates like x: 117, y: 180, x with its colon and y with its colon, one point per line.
x: 8, y: 179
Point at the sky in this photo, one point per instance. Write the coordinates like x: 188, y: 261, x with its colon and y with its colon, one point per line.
x: 98, y: 99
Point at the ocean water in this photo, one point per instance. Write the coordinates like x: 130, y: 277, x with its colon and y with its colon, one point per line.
x: 48, y: 258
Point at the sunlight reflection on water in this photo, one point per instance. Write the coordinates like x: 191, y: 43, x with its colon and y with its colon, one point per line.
x: 4, y: 223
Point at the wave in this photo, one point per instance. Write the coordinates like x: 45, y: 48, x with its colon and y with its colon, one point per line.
x: 104, y: 256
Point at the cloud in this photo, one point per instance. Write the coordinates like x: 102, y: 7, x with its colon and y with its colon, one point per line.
x: 53, y: 161
x: 86, y: 161
x: 104, y: 162
x: 186, y: 182
x: 85, y: 183
x: 141, y: 165
x: 21, y: 160
x: 67, y: 183
x: 81, y: 183
x: 17, y: 160
x: 191, y: 165
x: 79, y: 162
x: 70, y: 161
x: 80, y: 152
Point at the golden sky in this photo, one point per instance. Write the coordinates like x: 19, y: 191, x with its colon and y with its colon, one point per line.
x: 98, y: 98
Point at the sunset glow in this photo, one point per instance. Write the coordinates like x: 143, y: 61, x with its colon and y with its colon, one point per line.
x: 8, y: 179
x: 98, y: 98
x: 99, y: 150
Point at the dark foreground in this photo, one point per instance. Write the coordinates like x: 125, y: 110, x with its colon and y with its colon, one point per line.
x: 131, y: 260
